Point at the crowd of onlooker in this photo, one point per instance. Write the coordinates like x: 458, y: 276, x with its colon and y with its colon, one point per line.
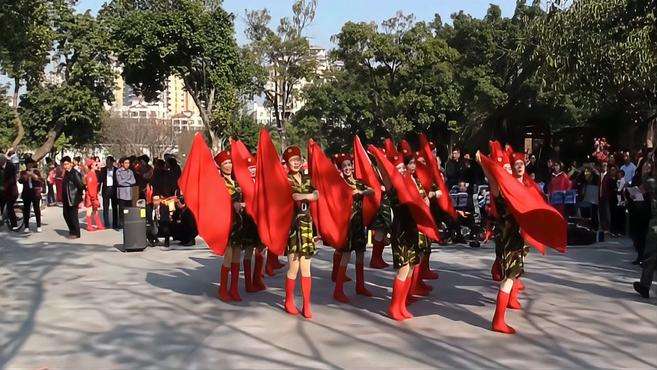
x: 97, y: 188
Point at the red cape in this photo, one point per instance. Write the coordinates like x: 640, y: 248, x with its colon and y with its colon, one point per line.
x: 273, y: 205
x: 365, y: 172
x: 540, y: 224
x: 423, y: 175
x: 408, y: 195
x: 332, y: 211
x: 445, y: 201
x: 206, y: 196
x: 239, y: 155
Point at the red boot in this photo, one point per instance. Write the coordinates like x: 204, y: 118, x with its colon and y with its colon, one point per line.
x: 397, y: 295
x: 99, y: 224
x: 338, y: 292
x: 426, y: 271
x: 223, y: 285
x: 234, y: 282
x: 514, y: 303
x: 377, y: 262
x: 306, y: 285
x: 499, y: 324
x: 404, y: 301
x: 258, y: 281
x: 290, y: 306
x: 416, y: 288
x: 248, y: 282
x: 90, y: 226
x: 360, y: 280
x: 269, y: 267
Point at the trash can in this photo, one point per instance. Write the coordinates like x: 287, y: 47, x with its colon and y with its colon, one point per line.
x: 134, y: 229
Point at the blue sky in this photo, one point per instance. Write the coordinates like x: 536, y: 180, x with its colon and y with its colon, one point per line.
x: 332, y: 14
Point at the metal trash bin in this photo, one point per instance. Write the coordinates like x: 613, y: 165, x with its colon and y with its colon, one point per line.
x: 134, y: 229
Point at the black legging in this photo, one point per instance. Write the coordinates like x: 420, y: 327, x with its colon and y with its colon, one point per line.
x: 34, y: 203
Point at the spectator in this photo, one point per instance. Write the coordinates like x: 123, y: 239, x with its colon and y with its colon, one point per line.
x: 638, y: 206
x: 174, y: 168
x: 628, y: 168
x: 51, y: 197
x: 650, y: 263
x: 31, y: 196
x: 91, y: 198
x: 8, y: 192
x: 560, y: 182
x: 607, y: 195
x: 589, y: 190
x: 107, y: 180
x: 71, y: 197
x: 183, y: 226
x: 618, y: 207
x: 454, y: 169
x: 59, y: 179
x: 125, y: 180
x: 158, y: 223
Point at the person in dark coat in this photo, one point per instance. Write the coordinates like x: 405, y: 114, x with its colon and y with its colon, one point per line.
x: 71, y: 197
x: 454, y: 169
x: 107, y: 180
x: 8, y: 191
x: 183, y: 226
x: 33, y: 185
x: 158, y: 223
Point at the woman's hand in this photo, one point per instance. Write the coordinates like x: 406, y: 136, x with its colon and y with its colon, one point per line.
x: 298, y: 197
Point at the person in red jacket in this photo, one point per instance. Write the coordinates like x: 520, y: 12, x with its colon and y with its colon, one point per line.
x: 559, y: 182
x: 91, y: 199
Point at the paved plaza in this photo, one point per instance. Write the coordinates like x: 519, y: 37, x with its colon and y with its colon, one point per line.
x: 83, y: 304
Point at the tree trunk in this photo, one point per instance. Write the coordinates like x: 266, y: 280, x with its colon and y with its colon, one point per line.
x: 48, y: 145
x: 20, y: 131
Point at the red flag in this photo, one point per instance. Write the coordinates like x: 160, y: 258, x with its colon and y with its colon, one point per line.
x: 423, y: 174
x: 240, y: 157
x: 365, y: 172
x: 389, y: 146
x: 332, y: 211
x: 540, y: 224
x: 273, y: 205
x: 206, y: 196
x: 445, y: 201
x: 408, y: 195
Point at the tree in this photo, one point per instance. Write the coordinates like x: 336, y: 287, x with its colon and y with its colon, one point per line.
x: 25, y: 41
x: 397, y: 78
x: 286, y: 56
x: 7, y: 129
x: 74, y: 106
x: 191, y: 39
x: 606, y: 51
x: 126, y: 136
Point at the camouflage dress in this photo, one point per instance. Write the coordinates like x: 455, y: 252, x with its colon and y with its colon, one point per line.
x: 302, y: 237
x: 243, y: 232
x: 404, y: 238
x: 423, y: 242
x: 510, y: 248
x: 357, y: 238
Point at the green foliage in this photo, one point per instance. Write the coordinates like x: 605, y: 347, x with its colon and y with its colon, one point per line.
x: 6, y: 122
x: 284, y: 54
x: 71, y: 110
x: 606, y: 50
x: 191, y: 39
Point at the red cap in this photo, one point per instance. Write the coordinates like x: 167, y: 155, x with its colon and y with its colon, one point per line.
x: 251, y: 161
x: 498, y: 154
x: 338, y: 158
x: 291, y: 151
x: 222, y: 157
x: 518, y: 157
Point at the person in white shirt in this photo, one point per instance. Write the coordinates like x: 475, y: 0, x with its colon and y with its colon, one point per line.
x: 628, y: 168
